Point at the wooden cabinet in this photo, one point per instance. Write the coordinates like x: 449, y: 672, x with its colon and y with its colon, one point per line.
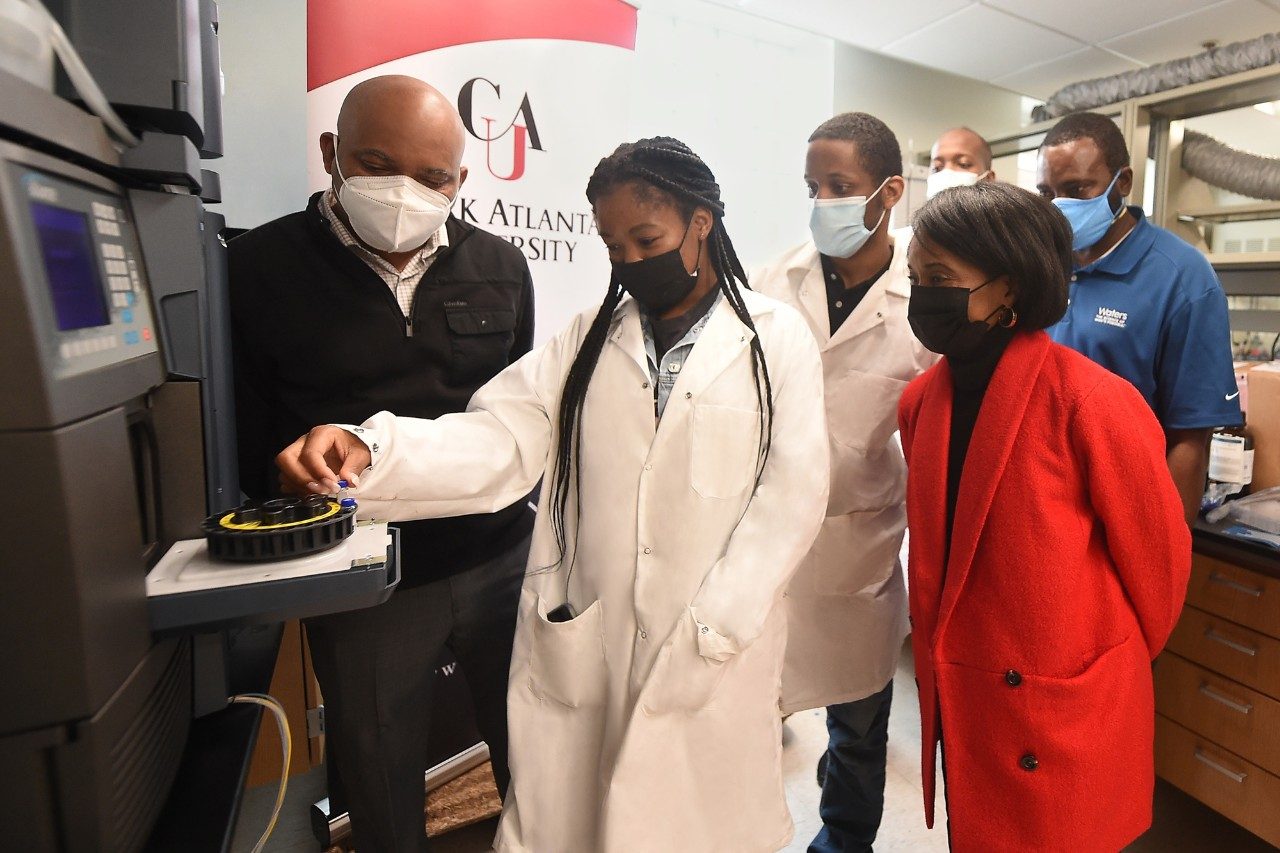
x: 1219, y: 778
x: 1218, y: 694
x: 1235, y: 593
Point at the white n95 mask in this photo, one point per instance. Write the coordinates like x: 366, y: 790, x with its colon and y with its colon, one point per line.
x: 945, y: 179
x: 393, y: 213
x: 839, y: 225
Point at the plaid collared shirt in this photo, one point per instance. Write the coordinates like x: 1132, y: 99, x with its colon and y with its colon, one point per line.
x: 663, y: 372
x: 403, y: 283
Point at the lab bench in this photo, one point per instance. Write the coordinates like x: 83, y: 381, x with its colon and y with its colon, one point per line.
x: 1218, y: 684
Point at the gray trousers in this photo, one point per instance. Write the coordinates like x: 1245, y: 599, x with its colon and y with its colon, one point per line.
x: 375, y: 670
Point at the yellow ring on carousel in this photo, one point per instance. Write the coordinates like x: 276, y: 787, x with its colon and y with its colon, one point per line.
x: 226, y: 522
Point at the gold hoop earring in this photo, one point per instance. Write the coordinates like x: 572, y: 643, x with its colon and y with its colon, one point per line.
x: 1009, y: 318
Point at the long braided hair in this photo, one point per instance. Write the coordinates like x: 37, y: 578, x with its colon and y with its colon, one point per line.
x: 669, y: 169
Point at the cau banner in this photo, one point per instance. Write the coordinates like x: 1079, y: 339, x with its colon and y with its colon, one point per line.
x: 542, y: 87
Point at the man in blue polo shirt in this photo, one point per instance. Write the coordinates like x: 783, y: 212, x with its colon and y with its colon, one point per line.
x: 1144, y: 304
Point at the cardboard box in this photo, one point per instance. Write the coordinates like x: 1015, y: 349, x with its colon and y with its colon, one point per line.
x: 1242, y: 382
x: 1264, y: 424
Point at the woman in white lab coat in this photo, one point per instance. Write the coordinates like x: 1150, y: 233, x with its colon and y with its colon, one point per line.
x: 681, y: 493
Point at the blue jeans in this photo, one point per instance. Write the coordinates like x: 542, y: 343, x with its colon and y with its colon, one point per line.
x: 853, y: 791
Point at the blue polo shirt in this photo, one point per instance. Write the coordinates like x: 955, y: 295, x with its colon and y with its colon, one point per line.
x: 1154, y: 312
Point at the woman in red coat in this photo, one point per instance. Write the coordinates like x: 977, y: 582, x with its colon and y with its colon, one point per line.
x: 1049, y: 553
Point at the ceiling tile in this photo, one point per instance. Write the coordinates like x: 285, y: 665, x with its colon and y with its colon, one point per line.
x: 1043, y: 79
x: 1096, y: 20
x: 982, y: 42
x: 874, y: 23
x: 867, y: 23
x: 1225, y: 22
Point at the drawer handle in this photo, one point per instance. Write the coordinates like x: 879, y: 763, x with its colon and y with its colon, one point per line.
x: 1233, y: 775
x: 1223, y: 699
x: 1223, y: 580
x: 1230, y: 643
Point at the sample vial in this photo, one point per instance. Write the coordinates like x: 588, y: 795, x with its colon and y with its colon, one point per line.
x: 344, y: 495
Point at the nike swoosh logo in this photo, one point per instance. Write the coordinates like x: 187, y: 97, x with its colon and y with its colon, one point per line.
x: 1233, y: 396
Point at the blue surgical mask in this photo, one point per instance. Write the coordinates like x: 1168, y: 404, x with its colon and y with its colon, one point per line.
x: 839, y: 225
x: 1090, y: 218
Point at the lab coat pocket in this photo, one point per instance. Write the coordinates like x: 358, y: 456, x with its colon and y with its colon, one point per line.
x: 566, y: 659
x: 682, y: 680
x: 862, y: 410
x: 724, y: 450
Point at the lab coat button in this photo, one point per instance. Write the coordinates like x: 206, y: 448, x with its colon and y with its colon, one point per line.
x: 688, y: 395
x: 648, y: 467
x: 1013, y: 678
x: 1029, y: 762
x: 644, y: 635
x: 645, y: 385
x: 705, y: 629
x: 648, y: 550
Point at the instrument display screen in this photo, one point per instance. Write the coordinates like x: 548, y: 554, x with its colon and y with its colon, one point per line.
x: 79, y: 301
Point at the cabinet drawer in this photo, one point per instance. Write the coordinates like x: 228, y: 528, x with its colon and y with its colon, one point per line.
x: 1242, y: 720
x: 1220, y: 779
x: 1220, y: 646
x: 1244, y: 597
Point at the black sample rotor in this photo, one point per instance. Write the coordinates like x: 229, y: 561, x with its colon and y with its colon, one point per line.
x: 278, y: 529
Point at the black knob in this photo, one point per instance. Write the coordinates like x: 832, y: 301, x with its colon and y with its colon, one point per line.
x: 1013, y: 678
x: 314, y: 505
x: 247, y: 515
x: 1029, y: 762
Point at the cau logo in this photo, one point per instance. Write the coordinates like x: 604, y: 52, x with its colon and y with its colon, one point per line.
x: 520, y: 132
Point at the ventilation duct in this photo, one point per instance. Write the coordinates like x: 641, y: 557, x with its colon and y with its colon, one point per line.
x: 1209, y: 65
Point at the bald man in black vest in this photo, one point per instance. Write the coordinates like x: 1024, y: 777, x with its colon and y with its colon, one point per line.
x: 376, y: 297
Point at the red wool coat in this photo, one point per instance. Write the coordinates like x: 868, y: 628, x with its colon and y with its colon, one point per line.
x: 1068, y: 567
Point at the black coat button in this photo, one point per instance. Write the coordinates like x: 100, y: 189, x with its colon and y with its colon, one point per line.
x: 1013, y: 678
x: 1029, y: 762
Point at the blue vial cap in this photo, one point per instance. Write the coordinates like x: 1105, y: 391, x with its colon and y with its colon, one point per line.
x: 343, y: 484
x: 347, y: 503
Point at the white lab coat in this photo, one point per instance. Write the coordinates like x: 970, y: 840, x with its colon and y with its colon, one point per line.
x: 847, y: 603
x: 649, y: 723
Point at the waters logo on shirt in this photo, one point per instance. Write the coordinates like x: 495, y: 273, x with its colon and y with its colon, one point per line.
x: 1111, y: 317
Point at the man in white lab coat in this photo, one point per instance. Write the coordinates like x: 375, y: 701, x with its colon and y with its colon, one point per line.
x: 847, y: 602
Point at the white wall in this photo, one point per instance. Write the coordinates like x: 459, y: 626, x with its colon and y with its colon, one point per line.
x: 744, y: 93
x: 919, y: 103
x: 264, y: 61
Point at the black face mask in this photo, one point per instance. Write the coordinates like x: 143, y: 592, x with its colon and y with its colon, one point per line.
x: 939, y: 317
x: 659, y: 283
